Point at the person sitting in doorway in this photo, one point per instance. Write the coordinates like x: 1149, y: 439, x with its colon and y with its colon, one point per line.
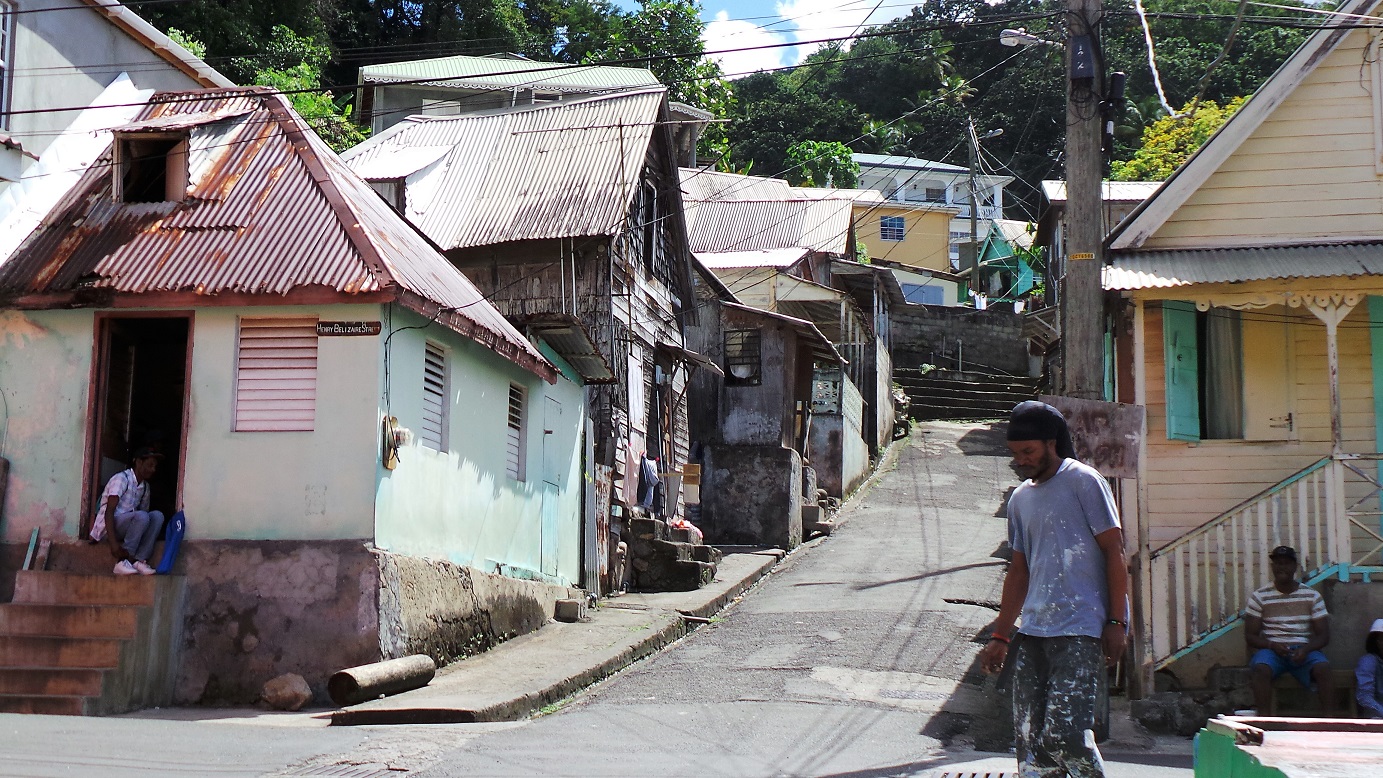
x: 1287, y: 626
x: 1368, y: 674
x: 124, y: 520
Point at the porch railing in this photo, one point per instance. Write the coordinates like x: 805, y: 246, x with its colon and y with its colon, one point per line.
x: 1329, y: 511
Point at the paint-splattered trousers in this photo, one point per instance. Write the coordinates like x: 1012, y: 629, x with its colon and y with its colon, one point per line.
x: 1056, y: 684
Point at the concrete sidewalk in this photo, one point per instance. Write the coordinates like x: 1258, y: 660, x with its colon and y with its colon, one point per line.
x: 523, y: 675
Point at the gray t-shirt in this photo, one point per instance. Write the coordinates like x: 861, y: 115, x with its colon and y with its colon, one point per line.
x: 1054, y: 524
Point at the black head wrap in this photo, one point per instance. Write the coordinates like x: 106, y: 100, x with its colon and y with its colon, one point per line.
x: 1033, y: 420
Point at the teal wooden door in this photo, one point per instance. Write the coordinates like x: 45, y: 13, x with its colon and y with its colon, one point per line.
x: 553, y: 439
x: 1182, y: 357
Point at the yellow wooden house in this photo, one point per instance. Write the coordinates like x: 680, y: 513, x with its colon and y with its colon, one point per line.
x: 1249, y: 324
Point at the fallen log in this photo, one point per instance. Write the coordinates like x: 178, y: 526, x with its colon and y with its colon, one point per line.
x: 380, y: 679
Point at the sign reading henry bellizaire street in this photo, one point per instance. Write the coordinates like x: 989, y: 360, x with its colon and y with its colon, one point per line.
x: 339, y: 328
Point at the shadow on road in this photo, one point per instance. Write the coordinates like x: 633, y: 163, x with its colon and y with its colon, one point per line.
x: 986, y: 441
x: 928, y: 574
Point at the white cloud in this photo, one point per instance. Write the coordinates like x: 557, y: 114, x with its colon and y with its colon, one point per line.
x: 818, y: 19
x: 724, y: 33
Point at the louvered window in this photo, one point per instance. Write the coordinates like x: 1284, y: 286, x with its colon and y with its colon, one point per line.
x: 517, y: 422
x: 276, y: 375
x: 434, y: 429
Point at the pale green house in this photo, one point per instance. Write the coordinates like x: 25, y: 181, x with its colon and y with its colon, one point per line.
x: 372, y: 460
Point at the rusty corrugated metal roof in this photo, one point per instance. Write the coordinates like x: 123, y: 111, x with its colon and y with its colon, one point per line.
x: 1184, y: 267
x: 752, y: 225
x: 552, y: 170
x: 269, y: 209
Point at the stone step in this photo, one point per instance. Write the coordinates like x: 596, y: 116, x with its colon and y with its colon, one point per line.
x: 648, y: 529
x: 50, y: 681
x: 709, y: 554
x: 659, y: 550
x: 73, y: 621
x: 680, y: 535
x: 44, y: 704
x: 25, y: 651
x: 956, y: 414
x: 52, y: 588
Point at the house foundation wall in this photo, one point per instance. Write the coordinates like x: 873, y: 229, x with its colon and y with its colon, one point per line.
x: 449, y: 611
x: 752, y: 495
x: 258, y: 609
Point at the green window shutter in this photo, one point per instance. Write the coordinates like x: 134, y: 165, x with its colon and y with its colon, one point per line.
x: 1182, y: 360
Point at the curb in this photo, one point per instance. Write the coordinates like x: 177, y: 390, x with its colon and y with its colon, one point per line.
x: 672, y: 628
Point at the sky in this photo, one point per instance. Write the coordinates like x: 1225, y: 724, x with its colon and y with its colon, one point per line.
x: 748, y: 24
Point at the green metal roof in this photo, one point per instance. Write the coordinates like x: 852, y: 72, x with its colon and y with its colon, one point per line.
x: 462, y: 72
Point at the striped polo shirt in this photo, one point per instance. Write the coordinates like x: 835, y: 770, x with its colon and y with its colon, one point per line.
x: 1287, y: 617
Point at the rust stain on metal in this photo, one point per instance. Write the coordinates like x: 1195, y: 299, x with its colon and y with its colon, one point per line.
x: 268, y: 209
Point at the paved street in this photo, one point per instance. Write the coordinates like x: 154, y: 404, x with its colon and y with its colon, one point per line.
x: 854, y: 658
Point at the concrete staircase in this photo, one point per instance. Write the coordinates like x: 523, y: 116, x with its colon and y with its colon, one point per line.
x: 665, y: 559
x: 950, y: 394
x: 89, y: 644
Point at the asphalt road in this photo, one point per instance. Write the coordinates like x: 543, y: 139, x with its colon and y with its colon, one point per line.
x: 854, y: 658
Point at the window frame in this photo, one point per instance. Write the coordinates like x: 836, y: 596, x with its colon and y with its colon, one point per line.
x: 242, y: 397
x: 743, y: 347
x: 175, y: 170
x: 516, y: 434
x: 437, y: 435
x: 890, y: 225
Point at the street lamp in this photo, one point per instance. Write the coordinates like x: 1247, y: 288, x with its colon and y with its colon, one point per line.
x: 1021, y: 37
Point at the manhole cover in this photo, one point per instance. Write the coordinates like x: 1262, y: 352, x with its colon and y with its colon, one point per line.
x: 974, y: 774
x: 348, y: 771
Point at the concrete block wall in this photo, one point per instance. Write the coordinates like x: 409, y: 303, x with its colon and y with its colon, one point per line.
x: 936, y: 334
x: 752, y: 495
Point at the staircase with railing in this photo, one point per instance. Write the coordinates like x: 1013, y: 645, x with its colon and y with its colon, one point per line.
x: 1329, y: 511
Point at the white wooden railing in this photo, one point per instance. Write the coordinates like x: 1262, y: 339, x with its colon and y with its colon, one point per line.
x: 1329, y: 512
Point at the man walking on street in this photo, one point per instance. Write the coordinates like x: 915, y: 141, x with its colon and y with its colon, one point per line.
x: 1069, y: 581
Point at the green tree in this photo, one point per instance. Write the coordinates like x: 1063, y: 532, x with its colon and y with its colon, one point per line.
x: 1171, y: 140
x: 195, y: 47
x: 822, y: 163
x: 663, y: 27
x: 295, y: 68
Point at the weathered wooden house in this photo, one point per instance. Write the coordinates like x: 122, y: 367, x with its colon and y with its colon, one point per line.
x: 1249, y: 293
x: 569, y: 219
x: 790, y: 250
x: 751, y: 422
x: 219, y: 285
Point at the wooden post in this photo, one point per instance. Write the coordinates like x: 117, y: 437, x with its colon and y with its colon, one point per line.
x: 1082, y: 298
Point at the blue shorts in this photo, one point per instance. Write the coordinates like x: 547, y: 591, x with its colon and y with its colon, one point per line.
x: 1281, y: 664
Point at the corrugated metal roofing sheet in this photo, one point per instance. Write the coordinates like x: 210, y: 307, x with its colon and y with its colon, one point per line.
x: 504, y: 73
x: 743, y: 225
x: 702, y: 184
x: 554, y: 170
x: 269, y: 209
x: 907, y: 163
x: 720, y: 260
x: 1163, y: 269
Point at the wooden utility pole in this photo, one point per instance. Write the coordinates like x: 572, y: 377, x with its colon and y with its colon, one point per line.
x: 1082, y: 299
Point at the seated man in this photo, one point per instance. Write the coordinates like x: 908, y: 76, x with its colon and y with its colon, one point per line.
x: 1288, y: 625
x: 124, y: 520
x: 1368, y: 674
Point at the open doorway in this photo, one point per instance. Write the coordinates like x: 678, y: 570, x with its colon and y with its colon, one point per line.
x: 141, y: 395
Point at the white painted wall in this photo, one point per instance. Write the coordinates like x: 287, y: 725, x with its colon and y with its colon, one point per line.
x: 45, y: 364
x: 460, y: 504
x: 283, y: 485
x: 65, y: 58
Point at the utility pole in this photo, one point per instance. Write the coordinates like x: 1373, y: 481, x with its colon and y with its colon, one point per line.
x: 1082, y: 298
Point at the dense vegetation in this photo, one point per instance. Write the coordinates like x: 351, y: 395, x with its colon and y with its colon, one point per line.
x: 908, y: 87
